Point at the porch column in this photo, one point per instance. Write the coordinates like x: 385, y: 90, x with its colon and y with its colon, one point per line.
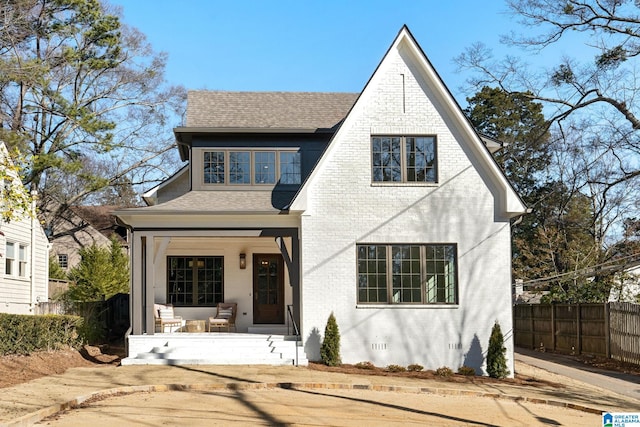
x: 149, y: 286
x: 136, y: 295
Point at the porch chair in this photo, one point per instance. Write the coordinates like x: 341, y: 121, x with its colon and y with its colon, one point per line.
x: 225, y: 316
x: 164, y: 316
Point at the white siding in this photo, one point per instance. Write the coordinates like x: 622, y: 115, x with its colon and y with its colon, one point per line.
x: 344, y: 208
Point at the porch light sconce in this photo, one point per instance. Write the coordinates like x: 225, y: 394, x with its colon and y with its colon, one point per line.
x: 243, y: 261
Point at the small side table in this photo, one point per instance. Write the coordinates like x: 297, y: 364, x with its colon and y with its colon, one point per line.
x: 194, y: 325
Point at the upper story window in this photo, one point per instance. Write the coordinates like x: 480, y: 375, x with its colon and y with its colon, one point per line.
x: 404, y: 159
x: 252, y: 167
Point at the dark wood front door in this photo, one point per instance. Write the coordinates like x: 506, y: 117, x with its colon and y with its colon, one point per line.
x: 268, y: 289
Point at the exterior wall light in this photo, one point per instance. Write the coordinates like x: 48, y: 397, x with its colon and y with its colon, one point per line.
x: 243, y: 261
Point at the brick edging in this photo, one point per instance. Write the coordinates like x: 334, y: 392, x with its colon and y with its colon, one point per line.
x: 34, y: 417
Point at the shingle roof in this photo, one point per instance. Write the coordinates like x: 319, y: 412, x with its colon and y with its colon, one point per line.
x: 211, y: 201
x: 280, y: 110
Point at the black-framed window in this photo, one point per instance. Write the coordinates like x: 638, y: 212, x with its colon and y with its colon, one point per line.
x: 403, y: 159
x: 407, y: 274
x: 195, y: 281
x: 257, y: 167
x: 63, y: 261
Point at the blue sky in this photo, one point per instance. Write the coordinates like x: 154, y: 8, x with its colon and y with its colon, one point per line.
x: 325, y: 46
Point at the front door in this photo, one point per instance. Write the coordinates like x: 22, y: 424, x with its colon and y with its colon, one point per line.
x: 268, y: 289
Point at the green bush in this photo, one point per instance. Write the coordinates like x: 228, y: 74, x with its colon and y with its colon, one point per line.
x: 414, y: 367
x: 444, y: 372
x: 330, y: 349
x: 467, y: 371
x: 496, y: 356
x: 396, y: 368
x: 365, y: 365
x: 24, y: 334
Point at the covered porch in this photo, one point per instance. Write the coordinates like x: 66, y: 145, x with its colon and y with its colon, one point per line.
x: 252, y: 262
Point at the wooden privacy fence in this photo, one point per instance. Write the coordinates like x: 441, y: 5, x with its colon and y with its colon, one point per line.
x: 608, y: 330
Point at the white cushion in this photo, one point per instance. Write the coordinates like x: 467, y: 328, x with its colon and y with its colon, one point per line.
x: 225, y: 313
x: 166, y: 313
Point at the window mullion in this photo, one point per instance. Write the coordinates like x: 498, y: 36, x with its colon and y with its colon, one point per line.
x: 387, y: 249
x: 403, y: 161
x: 423, y: 274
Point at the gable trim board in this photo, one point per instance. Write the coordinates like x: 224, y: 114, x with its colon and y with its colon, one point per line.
x: 337, y: 211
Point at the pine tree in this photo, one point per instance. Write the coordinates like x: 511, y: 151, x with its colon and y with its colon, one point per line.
x: 330, y: 349
x: 496, y: 357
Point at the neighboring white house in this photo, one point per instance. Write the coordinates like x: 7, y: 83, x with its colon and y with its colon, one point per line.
x: 626, y: 287
x: 24, y: 256
x: 385, y: 208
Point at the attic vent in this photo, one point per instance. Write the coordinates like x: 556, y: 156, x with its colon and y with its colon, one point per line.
x: 379, y: 346
x: 455, y: 346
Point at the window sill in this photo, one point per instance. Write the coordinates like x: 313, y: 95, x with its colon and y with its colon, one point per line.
x: 407, y: 306
x: 404, y: 184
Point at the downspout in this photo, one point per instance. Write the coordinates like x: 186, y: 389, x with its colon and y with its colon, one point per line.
x: 32, y: 253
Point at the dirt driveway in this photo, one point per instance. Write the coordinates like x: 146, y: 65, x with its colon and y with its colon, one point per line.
x: 268, y: 395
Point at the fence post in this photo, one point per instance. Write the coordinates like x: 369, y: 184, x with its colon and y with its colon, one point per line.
x: 607, y: 329
x: 579, y: 328
x: 533, y: 336
x: 553, y: 326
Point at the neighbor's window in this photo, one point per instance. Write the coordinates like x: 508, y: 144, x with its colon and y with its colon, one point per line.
x: 10, y: 259
x: 195, y: 281
x: 63, y: 261
x: 252, y: 167
x: 407, y: 274
x: 22, y: 260
x: 403, y: 158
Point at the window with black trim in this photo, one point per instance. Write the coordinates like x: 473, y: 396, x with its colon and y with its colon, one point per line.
x: 246, y: 167
x: 407, y: 274
x: 63, y: 261
x: 404, y: 159
x: 195, y: 281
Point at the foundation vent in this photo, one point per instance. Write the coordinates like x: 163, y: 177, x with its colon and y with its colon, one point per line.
x: 379, y: 346
x: 455, y: 346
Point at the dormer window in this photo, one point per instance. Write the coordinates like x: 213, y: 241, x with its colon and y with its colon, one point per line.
x: 264, y: 167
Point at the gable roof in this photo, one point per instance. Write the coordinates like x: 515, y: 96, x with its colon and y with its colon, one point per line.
x: 267, y: 110
x: 509, y: 201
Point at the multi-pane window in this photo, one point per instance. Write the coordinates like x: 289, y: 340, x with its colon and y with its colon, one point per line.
x: 214, y: 167
x: 10, y: 259
x: 403, y: 159
x: 290, y: 168
x: 252, y: 167
x: 407, y: 274
x: 239, y: 167
x: 16, y: 259
x: 195, y: 281
x: 264, y: 167
x: 22, y: 261
x: 63, y: 261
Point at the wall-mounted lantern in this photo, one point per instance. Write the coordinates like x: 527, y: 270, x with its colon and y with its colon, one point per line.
x: 243, y: 261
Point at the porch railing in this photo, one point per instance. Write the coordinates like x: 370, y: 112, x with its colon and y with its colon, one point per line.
x: 293, y: 323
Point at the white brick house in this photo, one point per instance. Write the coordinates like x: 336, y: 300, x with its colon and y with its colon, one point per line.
x: 384, y: 207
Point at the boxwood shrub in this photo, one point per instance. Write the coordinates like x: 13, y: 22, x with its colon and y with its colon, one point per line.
x: 24, y: 334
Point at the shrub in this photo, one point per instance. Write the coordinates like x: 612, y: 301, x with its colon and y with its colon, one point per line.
x: 396, y: 368
x: 24, y: 334
x: 496, y: 356
x: 444, y: 372
x: 330, y: 349
x: 415, y: 367
x: 365, y: 365
x: 467, y: 371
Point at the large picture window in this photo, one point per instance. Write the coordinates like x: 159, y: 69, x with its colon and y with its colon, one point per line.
x: 407, y: 274
x: 195, y: 281
x: 252, y: 167
x: 403, y: 159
